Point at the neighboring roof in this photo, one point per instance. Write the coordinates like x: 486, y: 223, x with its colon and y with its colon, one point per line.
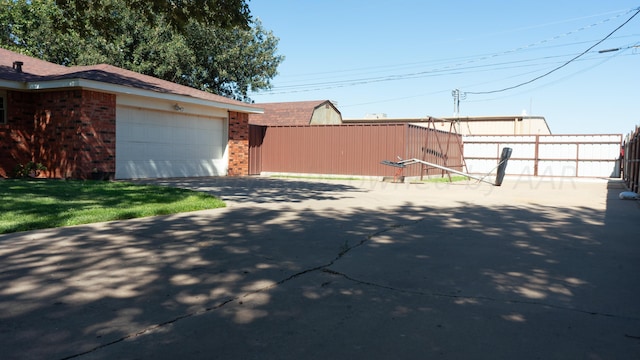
x: 38, y: 74
x: 499, y: 118
x: 389, y: 120
x: 287, y: 113
x: 493, y: 118
x: 459, y: 118
x: 469, y: 120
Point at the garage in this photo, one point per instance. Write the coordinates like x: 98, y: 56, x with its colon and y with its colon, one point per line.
x: 161, y: 144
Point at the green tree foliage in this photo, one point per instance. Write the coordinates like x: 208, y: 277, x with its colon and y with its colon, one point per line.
x: 178, y: 13
x: 232, y: 61
x: 24, y: 27
x: 229, y: 60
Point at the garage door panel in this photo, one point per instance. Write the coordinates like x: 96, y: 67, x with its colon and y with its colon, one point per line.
x: 134, y: 131
x: 218, y: 152
x: 166, y: 168
x: 178, y: 135
x: 154, y: 144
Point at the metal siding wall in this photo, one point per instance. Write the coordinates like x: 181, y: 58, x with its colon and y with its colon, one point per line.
x: 332, y: 149
x: 355, y: 149
x: 434, y: 146
x: 523, y: 150
x: 597, y: 168
x: 517, y: 167
x: 631, y: 167
x: 256, y: 135
x: 558, y: 151
x: 598, y: 151
x: 557, y: 168
x: 482, y: 153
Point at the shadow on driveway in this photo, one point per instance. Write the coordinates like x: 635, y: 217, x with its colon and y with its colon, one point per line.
x: 262, y: 190
x: 402, y: 280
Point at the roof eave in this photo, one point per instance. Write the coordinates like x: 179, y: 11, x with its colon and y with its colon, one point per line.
x: 15, y: 85
x: 122, y: 89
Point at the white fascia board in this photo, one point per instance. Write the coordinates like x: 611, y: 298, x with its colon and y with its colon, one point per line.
x: 15, y: 85
x: 121, y: 89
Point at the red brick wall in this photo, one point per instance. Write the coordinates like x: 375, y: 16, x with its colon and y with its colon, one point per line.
x: 238, y: 144
x: 71, y: 132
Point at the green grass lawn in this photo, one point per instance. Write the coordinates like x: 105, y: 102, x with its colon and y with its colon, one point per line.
x: 443, y: 179
x: 40, y: 204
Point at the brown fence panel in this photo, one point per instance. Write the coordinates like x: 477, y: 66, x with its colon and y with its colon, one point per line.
x: 434, y: 146
x: 256, y: 136
x: 354, y: 149
x: 631, y: 160
x: 332, y: 149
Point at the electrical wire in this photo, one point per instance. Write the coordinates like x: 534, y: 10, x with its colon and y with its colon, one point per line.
x: 515, y: 64
x: 559, y: 67
x: 504, y: 96
x: 445, y: 70
x: 447, y: 91
x: 323, y: 85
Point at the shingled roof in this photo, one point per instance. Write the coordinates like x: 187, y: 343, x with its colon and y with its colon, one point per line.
x: 37, y: 74
x: 287, y: 113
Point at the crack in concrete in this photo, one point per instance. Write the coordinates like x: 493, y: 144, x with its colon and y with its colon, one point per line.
x: 324, y: 267
x: 435, y: 294
x: 370, y: 236
x: 475, y: 297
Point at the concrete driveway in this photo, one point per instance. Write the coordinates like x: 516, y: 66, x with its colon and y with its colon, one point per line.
x: 296, y: 269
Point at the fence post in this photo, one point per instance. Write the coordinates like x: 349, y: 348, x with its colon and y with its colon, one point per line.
x: 536, y: 156
x: 632, y: 160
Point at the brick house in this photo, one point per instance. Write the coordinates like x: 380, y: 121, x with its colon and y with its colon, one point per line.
x: 86, y: 120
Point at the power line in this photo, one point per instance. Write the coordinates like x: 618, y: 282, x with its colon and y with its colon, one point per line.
x: 445, y: 91
x: 454, y: 69
x: 559, y: 67
x: 458, y: 67
x: 514, y: 64
x: 470, y: 60
x: 580, y: 71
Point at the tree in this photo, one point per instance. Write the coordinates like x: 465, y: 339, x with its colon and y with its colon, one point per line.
x: 178, y: 13
x: 25, y: 27
x: 231, y: 62
x: 228, y: 61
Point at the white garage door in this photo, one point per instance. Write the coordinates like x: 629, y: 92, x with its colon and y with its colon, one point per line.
x: 157, y: 144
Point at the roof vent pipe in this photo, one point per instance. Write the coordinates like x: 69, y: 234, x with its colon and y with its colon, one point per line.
x: 17, y: 66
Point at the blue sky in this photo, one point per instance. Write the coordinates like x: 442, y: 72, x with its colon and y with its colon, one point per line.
x: 404, y: 58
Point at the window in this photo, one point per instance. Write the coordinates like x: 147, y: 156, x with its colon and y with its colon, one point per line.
x: 3, y: 108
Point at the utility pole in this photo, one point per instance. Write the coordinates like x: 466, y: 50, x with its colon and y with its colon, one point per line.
x: 456, y: 102
x: 457, y: 96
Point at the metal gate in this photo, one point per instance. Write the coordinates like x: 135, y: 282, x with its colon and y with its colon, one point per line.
x: 547, y: 155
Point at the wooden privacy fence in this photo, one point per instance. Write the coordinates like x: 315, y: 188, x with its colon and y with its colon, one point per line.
x: 355, y: 149
x: 631, y: 160
x: 547, y: 155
